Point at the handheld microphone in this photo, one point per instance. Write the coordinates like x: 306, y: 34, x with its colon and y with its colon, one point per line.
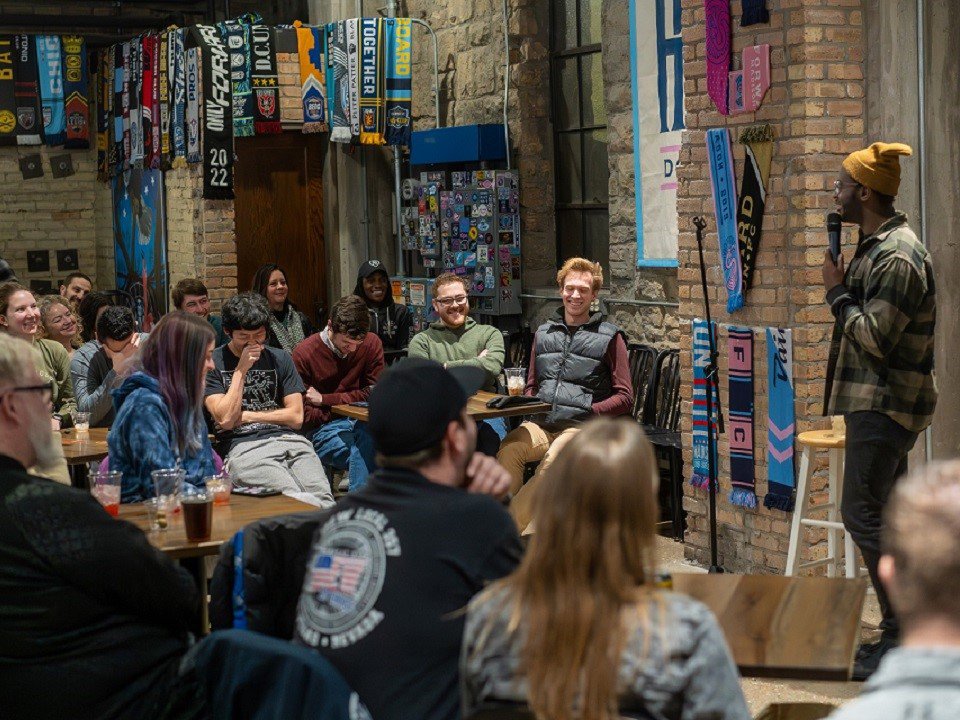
x: 833, y: 234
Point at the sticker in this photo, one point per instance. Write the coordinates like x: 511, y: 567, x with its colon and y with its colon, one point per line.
x: 472, y: 233
x: 467, y: 210
x: 506, y: 295
x: 488, y: 277
x: 464, y: 225
x: 506, y: 238
x: 506, y: 222
x: 429, y: 262
x: 474, y: 196
x: 483, y: 254
x: 504, y: 255
x: 478, y: 285
x: 483, y: 226
x: 458, y: 198
x: 515, y: 266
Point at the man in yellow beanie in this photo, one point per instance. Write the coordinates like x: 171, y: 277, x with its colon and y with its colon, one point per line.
x: 880, y: 372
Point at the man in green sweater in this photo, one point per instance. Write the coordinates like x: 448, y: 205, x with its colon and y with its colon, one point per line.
x: 457, y: 340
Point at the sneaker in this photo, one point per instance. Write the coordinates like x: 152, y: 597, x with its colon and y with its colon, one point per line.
x: 868, y: 658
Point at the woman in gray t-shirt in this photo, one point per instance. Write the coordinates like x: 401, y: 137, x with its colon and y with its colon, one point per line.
x: 579, y: 630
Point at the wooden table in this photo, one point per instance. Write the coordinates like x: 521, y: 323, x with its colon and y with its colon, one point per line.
x: 804, y: 628
x: 476, y: 408
x: 81, y: 448
x: 227, y: 519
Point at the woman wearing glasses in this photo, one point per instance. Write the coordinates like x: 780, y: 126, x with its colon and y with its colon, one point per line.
x: 21, y: 318
x: 60, y: 323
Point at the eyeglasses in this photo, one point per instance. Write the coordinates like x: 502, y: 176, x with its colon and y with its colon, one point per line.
x: 456, y: 300
x: 45, y: 388
x: 837, y: 184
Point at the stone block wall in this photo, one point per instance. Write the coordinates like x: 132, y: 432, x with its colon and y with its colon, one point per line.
x: 815, y: 105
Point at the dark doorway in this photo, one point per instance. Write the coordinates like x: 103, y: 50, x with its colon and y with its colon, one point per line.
x: 279, y: 214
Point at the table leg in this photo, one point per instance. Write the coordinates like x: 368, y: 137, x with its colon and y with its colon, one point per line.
x: 79, y: 476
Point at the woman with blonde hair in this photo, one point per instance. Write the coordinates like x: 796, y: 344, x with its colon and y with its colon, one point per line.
x: 579, y: 631
x: 59, y: 322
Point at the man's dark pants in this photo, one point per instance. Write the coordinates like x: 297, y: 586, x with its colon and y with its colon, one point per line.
x: 876, y: 456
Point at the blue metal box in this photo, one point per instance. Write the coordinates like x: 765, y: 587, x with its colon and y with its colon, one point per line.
x: 461, y: 144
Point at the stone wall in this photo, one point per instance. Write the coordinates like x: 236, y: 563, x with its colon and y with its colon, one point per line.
x: 815, y: 105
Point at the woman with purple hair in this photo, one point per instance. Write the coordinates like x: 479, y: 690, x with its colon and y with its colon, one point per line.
x: 160, y: 421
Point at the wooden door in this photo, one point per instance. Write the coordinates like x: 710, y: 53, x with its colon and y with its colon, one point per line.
x: 279, y: 214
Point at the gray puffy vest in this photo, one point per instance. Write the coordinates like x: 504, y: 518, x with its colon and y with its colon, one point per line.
x: 570, y: 371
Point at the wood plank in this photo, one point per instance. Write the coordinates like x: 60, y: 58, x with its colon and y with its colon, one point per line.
x: 784, y: 627
x: 80, y: 448
x: 476, y: 408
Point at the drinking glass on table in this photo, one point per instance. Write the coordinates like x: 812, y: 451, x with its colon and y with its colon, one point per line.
x: 197, y: 503
x: 167, y: 485
x: 105, y: 487
x: 81, y: 421
x: 516, y: 379
x: 220, y: 486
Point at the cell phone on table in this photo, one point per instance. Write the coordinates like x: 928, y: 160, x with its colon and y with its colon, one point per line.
x: 255, y: 491
x: 360, y: 403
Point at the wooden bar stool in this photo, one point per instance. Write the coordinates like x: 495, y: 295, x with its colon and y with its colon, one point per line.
x: 833, y: 441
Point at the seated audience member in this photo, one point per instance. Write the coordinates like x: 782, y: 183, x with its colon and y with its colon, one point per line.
x: 920, y: 568
x: 59, y: 322
x: 190, y: 295
x: 393, y: 565
x: 76, y: 286
x: 89, y: 310
x: 389, y: 320
x: 595, y: 636
x: 94, y: 619
x: 457, y: 340
x: 288, y: 326
x: 255, y: 398
x: 339, y: 365
x: 20, y: 318
x: 159, y: 423
x: 578, y: 364
x: 6, y: 272
x: 95, y: 379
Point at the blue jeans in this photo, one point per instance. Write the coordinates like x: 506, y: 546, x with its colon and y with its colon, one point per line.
x: 345, y: 444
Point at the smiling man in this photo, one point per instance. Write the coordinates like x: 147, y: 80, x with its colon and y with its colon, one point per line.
x: 578, y: 364
x: 190, y: 295
x: 75, y: 287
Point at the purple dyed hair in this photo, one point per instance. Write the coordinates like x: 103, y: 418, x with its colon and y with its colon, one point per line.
x: 175, y: 354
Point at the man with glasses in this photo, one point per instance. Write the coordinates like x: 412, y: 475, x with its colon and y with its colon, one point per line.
x: 880, y: 369
x: 578, y: 364
x: 457, y: 340
x: 94, y: 619
x: 339, y: 365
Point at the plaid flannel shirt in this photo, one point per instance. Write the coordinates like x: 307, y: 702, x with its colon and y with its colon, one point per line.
x: 881, y: 354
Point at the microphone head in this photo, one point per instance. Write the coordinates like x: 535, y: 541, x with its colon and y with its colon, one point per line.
x: 834, y: 221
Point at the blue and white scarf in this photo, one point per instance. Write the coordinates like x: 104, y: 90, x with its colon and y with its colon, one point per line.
x: 781, y: 423
x: 701, y: 443
x: 725, y: 208
x: 50, y: 68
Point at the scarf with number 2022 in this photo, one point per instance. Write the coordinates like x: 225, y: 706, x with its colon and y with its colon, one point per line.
x: 217, y: 103
x: 266, y: 86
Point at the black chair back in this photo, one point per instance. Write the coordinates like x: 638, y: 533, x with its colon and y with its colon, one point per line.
x: 516, y: 345
x: 643, y: 362
x: 666, y: 392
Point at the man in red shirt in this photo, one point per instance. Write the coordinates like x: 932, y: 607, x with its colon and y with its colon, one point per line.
x: 339, y: 365
x: 579, y: 365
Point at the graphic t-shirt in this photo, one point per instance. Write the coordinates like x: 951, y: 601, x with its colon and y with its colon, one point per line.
x: 271, y: 379
x: 390, y: 571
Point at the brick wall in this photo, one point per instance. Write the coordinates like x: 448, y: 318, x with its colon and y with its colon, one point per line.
x: 815, y: 105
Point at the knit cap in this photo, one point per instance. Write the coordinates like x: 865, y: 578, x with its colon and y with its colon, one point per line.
x: 878, y: 166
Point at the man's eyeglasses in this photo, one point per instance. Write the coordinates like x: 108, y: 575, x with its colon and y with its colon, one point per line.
x: 46, y: 388
x: 448, y: 301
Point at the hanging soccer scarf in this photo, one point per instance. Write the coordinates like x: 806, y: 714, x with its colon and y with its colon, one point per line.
x: 310, y: 45
x: 26, y: 91
x: 50, y: 70
x: 701, y: 443
x: 718, y: 52
x: 266, y: 87
x: 121, y: 106
x: 725, y: 207
x: 217, y: 113
x: 75, y: 83
x: 398, y: 80
x: 104, y: 101
x: 338, y: 82
x: 353, y: 67
x: 151, y: 102
x: 135, y: 87
x: 164, y: 100
x: 179, y: 99
x: 8, y: 100
x: 740, y: 413
x: 237, y: 37
x: 781, y: 423
x: 193, y: 106
x: 758, y: 141
x: 372, y: 68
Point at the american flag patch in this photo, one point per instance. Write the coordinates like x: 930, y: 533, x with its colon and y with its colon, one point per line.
x: 337, y: 574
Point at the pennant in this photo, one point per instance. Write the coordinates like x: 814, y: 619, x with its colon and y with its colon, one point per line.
x: 50, y: 73
x: 756, y: 75
x: 398, y: 81
x: 740, y: 414
x: 725, y: 207
x: 217, y: 106
x: 236, y: 35
x: 26, y: 90
x: 353, y: 67
x: 193, y: 106
x: 76, y: 82
x: 781, y: 420
x: 178, y: 119
x: 372, y: 68
x: 310, y: 47
x: 8, y: 100
x: 701, y: 443
x: 164, y: 100
x: 758, y: 140
x: 266, y: 87
x: 718, y: 51
x: 135, y: 87
x: 338, y: 82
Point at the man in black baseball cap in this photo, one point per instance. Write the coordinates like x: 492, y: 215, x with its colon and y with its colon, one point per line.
x: 394, y: 563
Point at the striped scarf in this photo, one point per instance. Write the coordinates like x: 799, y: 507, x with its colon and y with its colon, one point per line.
x: 266, y: 86
x: 310, y: 46
x: 236, y: 35
x: 399, y: 57
x: 178, y: 79
x: 75, y: 84
x: 27, y: 90
x: 338, y: 82
x: 740, y: 410
x: 372, y: 100
x: 50, y: 67
x: 165, y: 98
x: 353, y: 67
x: 701, y: 442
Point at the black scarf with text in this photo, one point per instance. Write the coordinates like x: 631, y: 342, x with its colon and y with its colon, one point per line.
x: 8, y: 100
x: 758, y: 141
x: 217, y: 125
x: 266, y: 87
x: 27, y: 91
x: 76, y: 83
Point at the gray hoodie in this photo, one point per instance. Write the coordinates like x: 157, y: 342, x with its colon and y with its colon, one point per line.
x: 910, y: 684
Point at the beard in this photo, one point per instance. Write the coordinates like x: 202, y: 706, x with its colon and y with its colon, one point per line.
x: 46, y: 446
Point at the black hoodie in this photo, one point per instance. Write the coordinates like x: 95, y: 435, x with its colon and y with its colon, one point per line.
x: 389, y: 320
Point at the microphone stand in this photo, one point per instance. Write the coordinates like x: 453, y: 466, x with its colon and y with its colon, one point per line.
x: 711, y: 371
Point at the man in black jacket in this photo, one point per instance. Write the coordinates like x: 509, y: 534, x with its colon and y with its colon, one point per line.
x: 395, y: 563
x: 93, y: 620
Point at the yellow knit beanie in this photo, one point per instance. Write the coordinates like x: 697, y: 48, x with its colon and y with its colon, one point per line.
x: 878, y: 166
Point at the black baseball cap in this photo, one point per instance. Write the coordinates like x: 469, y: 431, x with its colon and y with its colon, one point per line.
x: 370, y: 267
x: 415, y: 400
